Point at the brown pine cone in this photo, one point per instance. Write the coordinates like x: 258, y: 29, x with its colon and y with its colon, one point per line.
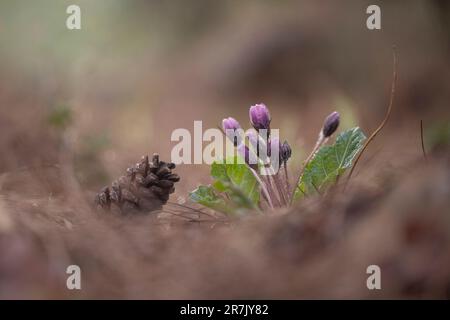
x: 146, y: 187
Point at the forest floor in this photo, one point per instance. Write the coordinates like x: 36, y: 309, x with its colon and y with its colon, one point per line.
x: 319, y: 248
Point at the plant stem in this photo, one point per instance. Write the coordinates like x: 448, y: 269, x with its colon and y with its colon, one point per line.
x: 421, y: 139
x: 320, y: 141
x: 263, y: 187
x: 271, y: 187
x: 281, y: 191
x: 288, y: 185
x: 386, y: 118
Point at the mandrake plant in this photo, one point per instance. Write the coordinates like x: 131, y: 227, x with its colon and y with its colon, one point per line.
x: 248, y: 181
x: 240, y: 185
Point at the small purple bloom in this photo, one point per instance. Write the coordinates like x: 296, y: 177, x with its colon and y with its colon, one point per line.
x: 284, y: 149
x: 257, y: 142
x: 243, y: 151
x: 259, y: 116
x: 230, y: 123
x: 273, y: 142
x: 285, y: 152
x: 249, y: 156
x: 330, y: 124
x: 252, y: 137
x: 231, y: 127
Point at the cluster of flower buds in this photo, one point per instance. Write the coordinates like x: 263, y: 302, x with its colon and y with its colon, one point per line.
x: 260, y: 140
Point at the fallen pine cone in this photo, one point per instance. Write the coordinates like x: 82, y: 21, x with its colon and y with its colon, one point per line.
x: 146, y: 187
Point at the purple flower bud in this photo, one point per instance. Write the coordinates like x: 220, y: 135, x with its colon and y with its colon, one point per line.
x: 257, y: 143
x: 330, y: 125
x: 259, y: 116
x: 273, y: 142
x: 230, y: 126
x: 284, y: 149
x: 252, y: 136
x: 243, y: 151
x: 285, y: 152
x: 230, y: 123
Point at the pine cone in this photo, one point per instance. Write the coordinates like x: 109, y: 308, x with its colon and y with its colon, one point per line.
x: 146, y: 187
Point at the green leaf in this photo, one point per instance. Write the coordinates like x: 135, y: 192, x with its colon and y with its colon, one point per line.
x: 235, y: 178
x: 330, y: 162
x: 234, y: 188
x: 206, y: 196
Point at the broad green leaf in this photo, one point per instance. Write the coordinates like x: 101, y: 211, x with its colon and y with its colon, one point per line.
x: 206, y: 196
x: 330, y: 162
x: 237, y: 181
x: 234, y: 188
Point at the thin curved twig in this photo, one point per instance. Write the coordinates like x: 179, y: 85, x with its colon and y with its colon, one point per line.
x: 386, y: 117
x: 421, y: 139
x: 191, y: 208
